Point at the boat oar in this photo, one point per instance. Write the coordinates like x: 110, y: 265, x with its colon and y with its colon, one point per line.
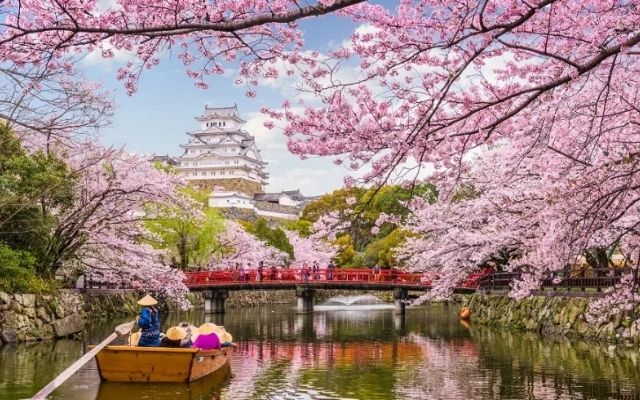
x: 120, y: 330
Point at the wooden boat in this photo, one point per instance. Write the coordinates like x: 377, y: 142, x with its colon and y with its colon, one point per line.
x: 160, y: 364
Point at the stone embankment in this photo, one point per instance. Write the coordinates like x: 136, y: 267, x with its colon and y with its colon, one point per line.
x: 548, y: 315
x: 30, y: 317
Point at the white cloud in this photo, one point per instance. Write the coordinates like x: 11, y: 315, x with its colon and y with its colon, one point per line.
x: 266, y: 139
x: 95, y: 58
x: 321, y: 178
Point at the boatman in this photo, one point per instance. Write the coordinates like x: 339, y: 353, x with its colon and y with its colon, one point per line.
x: 149, y: 322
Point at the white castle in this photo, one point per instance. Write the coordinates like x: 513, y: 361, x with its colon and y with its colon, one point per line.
x: 223, y: 158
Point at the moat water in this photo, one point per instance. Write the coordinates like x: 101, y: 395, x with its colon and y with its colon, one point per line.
x: 359, y: 353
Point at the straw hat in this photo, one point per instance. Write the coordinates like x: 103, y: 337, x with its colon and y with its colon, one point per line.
x: 134, y: 338
x: 209, y: 328
x: 226, y: 336
x: 176, y: 333
x: 147, y: 301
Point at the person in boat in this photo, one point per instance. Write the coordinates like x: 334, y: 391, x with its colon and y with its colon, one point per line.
x: 192, y: 334
x: 174, y: 337
x: 226, y: 340
x: 208, y: 338
x: 149, y: 322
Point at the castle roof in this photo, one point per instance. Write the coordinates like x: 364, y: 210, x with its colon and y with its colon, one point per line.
x: 230, y: 112
x: 164, y: 159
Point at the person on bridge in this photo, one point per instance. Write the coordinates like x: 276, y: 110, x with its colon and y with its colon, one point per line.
x: 306, y: 272
x: 274, y: 273
x: 330, y: 269
x: 260, y: 270
x: 149, y: 322
x: 316, y: 270
x: 236, y: 272
x: 376, y: 272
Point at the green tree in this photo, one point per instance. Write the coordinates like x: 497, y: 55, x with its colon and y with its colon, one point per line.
x: 34, y: 187
x: 301, y: 226
x: 381, y: 250
x: 362, y: 216
x: 188, y: 231
x: 273, y: 236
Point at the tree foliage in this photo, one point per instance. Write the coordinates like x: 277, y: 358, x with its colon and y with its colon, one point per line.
x: 187, y: 230
x: 362, y: 219
x: 34, y: 188
x: 274, y: 237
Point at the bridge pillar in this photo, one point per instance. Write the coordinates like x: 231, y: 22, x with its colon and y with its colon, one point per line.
x: 305, y: 299
x: 214, y: 301
x: 400, y: 296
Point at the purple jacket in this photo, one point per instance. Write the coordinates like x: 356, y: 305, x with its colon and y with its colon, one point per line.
x: 207, y: 342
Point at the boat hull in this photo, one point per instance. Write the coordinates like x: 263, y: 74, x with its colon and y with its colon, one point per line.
x: 159, y: 364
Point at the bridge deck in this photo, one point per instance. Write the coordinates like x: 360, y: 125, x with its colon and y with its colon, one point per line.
x: 356, y: 279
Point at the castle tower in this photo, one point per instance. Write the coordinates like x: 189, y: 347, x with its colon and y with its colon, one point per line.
x: 222, y: 156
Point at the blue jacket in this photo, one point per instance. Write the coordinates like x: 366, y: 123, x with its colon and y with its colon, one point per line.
x: 149, y: 324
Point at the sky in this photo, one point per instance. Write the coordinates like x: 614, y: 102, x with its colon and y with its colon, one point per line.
x: 154, y: 120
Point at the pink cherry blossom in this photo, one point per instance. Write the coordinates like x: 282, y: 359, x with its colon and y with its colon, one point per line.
x: 309, y: 250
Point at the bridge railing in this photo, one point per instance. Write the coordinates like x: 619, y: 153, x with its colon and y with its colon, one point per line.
x: 298, y: 275
x: 581, y: 280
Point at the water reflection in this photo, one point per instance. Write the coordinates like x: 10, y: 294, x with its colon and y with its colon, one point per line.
x: 369, y: 355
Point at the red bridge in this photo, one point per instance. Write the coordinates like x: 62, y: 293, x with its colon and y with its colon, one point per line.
x: 216, y: 284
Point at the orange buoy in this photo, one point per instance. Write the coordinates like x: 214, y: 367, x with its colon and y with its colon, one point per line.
x: 465, y: 313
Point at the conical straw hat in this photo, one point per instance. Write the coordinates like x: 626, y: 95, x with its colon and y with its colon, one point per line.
x: 208, y: 328
x: 176, y: 333
x: 147, y: 301
x: 226, y: 337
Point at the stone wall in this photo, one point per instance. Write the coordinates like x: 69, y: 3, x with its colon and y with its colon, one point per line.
x: 231, y: 184
x: 28, y: 317
x: 547, y: 315
x: 276, y: 207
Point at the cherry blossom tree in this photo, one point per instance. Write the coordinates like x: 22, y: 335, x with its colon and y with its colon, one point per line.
x: 308, y: 249
x: 237, y: 246
x: 553, y: 83
x: 43, y: 106
x: 101, y: 234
